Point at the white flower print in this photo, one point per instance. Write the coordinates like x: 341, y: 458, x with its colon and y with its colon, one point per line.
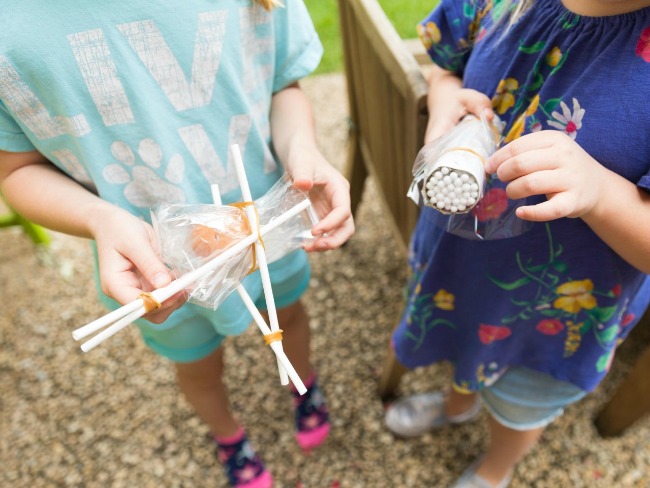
x: 143, y: 187
x: 568, y: 122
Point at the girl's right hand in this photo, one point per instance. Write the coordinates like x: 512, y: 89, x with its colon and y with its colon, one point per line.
x: 449, y: 102
x: 129, y: 263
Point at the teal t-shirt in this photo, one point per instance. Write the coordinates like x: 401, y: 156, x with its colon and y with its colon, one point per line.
x: 141, y: 101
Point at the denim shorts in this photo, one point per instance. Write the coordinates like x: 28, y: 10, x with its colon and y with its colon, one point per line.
x: 193, y: 332
x: 524, y: 399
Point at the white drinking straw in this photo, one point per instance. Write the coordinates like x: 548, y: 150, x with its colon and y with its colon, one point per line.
x: 135, y: 309
x: 276, y: 346
x: 260, y: 254
x: 259, y: 320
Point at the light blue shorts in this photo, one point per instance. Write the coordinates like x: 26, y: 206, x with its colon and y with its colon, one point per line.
x: 193, y: 332
x: 524, y: 399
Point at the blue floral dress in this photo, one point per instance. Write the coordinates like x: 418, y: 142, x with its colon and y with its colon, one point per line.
x: 556, y: 298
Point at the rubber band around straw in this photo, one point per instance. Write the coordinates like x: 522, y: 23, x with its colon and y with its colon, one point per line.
x: 242, y: 208
x: 272, y: 337
x: 149, y: 302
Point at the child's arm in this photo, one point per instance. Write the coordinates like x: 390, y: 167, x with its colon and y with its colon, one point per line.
x: 128, y: 261
x: 448, y: 102
x: 294, y: 140
x: 576, y: 185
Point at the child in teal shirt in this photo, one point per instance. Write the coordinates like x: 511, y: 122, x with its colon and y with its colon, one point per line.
x: 108, y: 109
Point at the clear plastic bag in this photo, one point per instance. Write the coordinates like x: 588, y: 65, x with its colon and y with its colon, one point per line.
x: 448, y: 173
x: 190, y: 235
x: 449, y: 176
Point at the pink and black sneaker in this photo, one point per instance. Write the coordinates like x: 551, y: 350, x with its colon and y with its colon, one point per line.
x: 311, y: 416
x: 244, y: 467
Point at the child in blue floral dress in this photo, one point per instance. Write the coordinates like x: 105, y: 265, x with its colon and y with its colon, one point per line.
x: 530, y: 323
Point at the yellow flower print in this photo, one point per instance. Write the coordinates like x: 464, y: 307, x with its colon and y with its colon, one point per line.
x: 577, y: 295
x: 518, y: 127
x: 429, y: 34
x: 444, y: 300
x: 463, y: 388
x: 532, y: 108
x: 573, y: 338
x: 553, y: 57
x: 504, y: 98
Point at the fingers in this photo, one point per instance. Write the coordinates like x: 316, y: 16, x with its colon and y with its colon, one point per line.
x: 303, y: 183
x: 525, y: 164
x: 477, y: 103
x: 336, y: 235
x: 447, y: 112
x: 128, y: 267
x: 302, y: 177
x: 438, y: 128
x: 166, y: 308
x: 557, y: 206
x: 537, y: 183
x: 303, y: 174
x: 145, y: 258
x: 529, y: 142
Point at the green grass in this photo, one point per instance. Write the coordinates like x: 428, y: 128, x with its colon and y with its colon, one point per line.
x: 403, y: 13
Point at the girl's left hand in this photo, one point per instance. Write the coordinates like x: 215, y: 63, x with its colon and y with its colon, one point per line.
x: 329, y: 193
x: 549, y: 163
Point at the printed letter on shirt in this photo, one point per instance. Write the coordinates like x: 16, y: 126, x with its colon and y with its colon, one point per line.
x: 98, y: 70
x: 147, y: 40
x: 26, y: 106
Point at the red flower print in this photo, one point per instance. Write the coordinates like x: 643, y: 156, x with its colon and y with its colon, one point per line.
x: 550, y: 326
x: 627, y: 319
x: 493, y: 204
x: 490, y: 333
x: 616, y: 291
x: 643, y: 45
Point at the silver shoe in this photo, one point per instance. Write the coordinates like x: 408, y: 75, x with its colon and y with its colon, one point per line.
x: 469, y: 478
x: 415, y: 415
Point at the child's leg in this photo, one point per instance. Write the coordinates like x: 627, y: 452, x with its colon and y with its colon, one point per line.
x: 202, y: 384
x: 457, y: 403
x: 521, y: 404
x: 311, y: 415
x: 507, y: 447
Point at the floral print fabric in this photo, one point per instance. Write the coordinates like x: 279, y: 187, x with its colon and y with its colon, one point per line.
x: 556, y: 299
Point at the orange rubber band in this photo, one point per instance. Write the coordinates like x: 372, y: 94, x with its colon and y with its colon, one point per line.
x: 466, y: 149
x: 272, y: 337
x: 242, y: 208
x: 150, y: 303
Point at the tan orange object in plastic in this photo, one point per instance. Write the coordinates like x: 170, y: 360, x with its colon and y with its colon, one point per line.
x: 206, y: 240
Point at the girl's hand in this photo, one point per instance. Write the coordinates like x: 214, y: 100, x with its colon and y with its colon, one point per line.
x: 550, y: 163
x: 448, y: 111
x: 449, y: 102
x: 129, y: 263
x: 329, y: 193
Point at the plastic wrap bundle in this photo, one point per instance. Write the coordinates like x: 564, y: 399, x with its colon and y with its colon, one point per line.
x: 190, y: 235
x: 448, y: 173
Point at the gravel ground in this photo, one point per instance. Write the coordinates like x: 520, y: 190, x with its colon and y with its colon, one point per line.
x: 113, y: 417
